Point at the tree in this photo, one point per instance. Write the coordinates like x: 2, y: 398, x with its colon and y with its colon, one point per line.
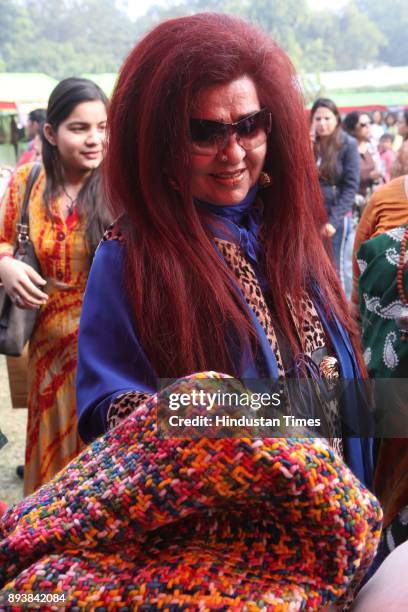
x: 344, y: 40
x: 14, y: 30
x: 66, y: 37
x: 392, y: 19
x: 70, y: 37
x: 314, y: 40
x: 356, y: 39
x: 283, y: 20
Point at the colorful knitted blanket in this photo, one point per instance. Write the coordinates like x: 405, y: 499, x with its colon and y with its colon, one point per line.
x: 142, y: 523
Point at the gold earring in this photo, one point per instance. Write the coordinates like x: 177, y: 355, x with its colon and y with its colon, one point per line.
x: 265, y: 180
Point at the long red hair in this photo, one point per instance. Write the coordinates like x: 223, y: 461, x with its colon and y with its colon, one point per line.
x: 187, y: 310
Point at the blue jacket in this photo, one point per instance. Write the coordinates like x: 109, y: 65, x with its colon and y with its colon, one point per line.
x: 339, y: 197
x: 111, y: 360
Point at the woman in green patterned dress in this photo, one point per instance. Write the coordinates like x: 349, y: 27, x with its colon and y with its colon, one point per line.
x: 383, y: 302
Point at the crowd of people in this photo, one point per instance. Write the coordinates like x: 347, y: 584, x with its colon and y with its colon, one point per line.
x: 194, y: 231
x: 355, y: 154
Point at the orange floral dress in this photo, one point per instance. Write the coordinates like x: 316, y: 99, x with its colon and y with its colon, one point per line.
x: 52, y: 438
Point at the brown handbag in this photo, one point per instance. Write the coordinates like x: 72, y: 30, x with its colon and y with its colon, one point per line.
x: 17, y: 324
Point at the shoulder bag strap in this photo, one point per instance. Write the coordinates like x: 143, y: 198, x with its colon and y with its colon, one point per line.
x: 23, y: 227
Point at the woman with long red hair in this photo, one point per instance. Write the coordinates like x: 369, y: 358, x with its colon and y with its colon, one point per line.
x: 216, y: 260
x: 213, y: 270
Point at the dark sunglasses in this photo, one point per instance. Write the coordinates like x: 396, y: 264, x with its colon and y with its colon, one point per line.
x: 208, y: 137
x: 364, y: 124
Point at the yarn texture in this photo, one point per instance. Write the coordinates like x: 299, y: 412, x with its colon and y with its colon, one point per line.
x: 137, y: 522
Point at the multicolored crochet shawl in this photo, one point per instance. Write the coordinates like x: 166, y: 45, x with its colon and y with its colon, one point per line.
x: 142, y: 523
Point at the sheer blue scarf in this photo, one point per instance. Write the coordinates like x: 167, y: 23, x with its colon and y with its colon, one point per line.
x: 246, y: 216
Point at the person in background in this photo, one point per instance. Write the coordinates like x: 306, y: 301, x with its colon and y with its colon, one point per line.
x: 35, y: 122
x: 17, y: 367
x: 392, y: 128
x: 400, y: 165
x: 67, y: 213
x: 380, y: 299
x: 377, y: 126
x: 386, y: 210
x: 34, y: 153
x: 391, y: 123
x: 358, y: 124
x: 14, y: 134
x: 387, y: 154
x: 339, y: 174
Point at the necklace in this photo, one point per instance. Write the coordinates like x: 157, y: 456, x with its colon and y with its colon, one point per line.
x: 402, y: 319
x: 73, y: 202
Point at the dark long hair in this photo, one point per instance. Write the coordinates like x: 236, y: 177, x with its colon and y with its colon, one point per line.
x: 182, y: 295
x: 406, y: 121
x: 328, y: 148
x: 91, y: 198
x: 350, y: 121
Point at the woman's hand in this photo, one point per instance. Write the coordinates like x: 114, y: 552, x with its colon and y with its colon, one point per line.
x: 328, y: 230
x: 20, y: 282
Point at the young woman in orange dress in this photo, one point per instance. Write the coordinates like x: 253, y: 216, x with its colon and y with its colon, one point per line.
x: 66, y: 217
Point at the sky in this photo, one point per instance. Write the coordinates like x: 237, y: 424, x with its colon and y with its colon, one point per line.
x: 136, y: 8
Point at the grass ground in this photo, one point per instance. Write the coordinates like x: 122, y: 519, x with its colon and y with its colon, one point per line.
x: 13, y: 425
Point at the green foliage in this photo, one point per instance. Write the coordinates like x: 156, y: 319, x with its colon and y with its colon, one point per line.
x: 66, y: 37
x: 392, y: 20
x: 346, y: 40
x: 357, y: 39
x: 284, y: 20
x: 71, y: 37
